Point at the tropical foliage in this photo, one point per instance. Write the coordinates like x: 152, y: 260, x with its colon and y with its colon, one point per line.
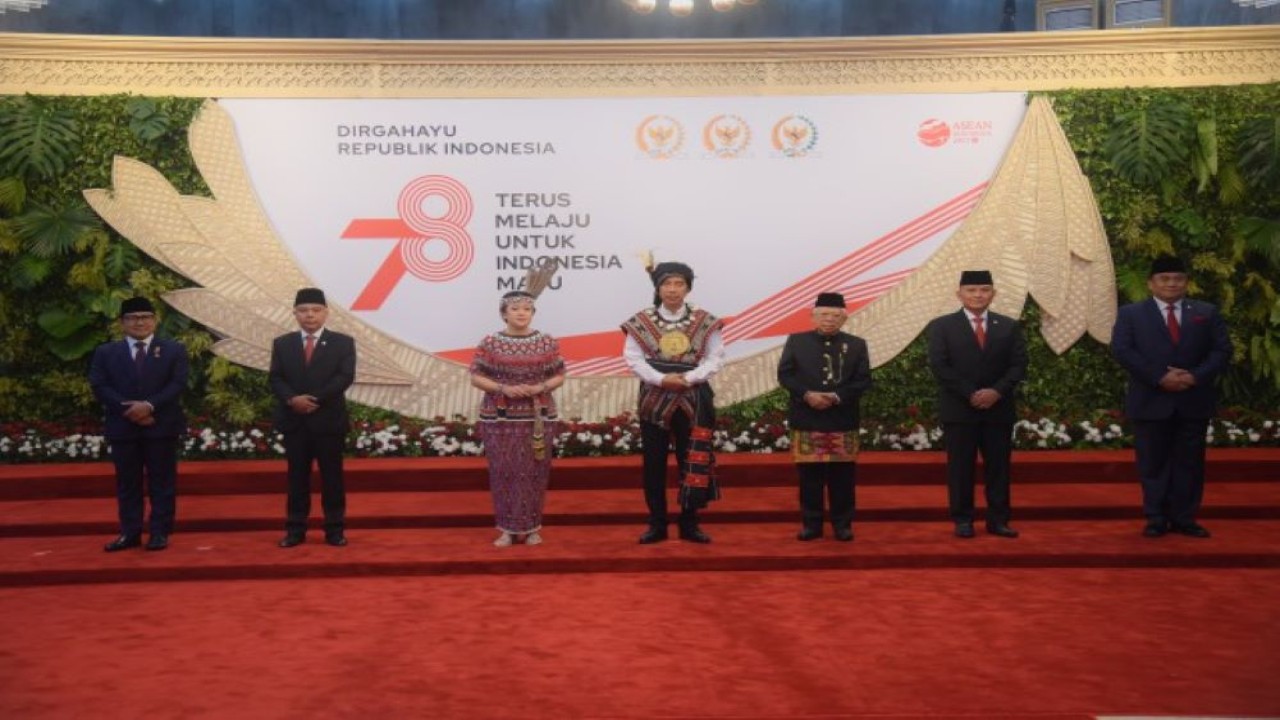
x: 1194, y: 171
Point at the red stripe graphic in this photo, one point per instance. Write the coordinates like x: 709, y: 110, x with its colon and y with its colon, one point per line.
x: 786, y: 311
x: 854, y: 264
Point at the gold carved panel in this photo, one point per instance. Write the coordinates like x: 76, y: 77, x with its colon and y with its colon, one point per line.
x: 205, y: 67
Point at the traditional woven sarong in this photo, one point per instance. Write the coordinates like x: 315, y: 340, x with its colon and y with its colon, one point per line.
x: 517, y: 479
x: 812, y: 446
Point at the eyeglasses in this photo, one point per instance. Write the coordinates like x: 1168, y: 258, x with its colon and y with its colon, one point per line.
x: 138, y: 317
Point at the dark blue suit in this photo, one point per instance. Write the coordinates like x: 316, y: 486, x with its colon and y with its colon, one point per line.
x: 115, y: 379
x: 1169, y: 426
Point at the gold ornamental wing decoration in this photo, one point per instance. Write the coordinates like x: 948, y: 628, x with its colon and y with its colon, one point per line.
x: 248, y: 278
x: 1036, y: 227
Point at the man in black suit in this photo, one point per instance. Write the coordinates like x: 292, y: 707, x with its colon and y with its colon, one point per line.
x: 978, y: 359
x: 825, y: 371
x: 310, y: 372
x: 1174, y: 349
x: 139, y: 382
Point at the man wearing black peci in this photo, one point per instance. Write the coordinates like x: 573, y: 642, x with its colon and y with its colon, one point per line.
x: 978, y: 359
x: 310, y: 372
x: 825, y: 371
x: 1173, y: 349
x: 139, y: 382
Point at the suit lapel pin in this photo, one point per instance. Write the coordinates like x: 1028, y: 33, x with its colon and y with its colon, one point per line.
x: 156, y: 352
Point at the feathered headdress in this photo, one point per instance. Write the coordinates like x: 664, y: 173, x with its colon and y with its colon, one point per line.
x: 536, y: 280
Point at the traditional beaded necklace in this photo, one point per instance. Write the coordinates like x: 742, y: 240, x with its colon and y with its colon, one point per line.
x: 681, y: 323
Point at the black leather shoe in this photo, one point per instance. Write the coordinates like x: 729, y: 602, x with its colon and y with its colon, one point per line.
x: 1001, y: 530
x: 292, y: 540
x: 693, y: 533
x: 807, y: 534
x: 124, y: 542
x: 1155, y: 529
x: 964, y: 530
x: 655, y: 534
x: 157, y: 542
x: 1191, y: 529
x: 336, y: 539
x: 844, y: 534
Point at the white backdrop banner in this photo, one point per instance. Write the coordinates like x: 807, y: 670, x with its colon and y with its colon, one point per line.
x: 417, y: 215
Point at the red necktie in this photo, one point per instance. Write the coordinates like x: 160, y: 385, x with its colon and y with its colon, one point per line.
x: 139, y: 354
x: 1172, y: 321
x: 308, y: 348
x: 982, y: 334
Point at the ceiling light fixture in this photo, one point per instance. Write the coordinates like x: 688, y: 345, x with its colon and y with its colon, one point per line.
x: 685, y: 8
x: 21, y: 5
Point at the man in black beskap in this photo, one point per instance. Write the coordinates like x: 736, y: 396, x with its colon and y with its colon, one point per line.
x: 825, y: 371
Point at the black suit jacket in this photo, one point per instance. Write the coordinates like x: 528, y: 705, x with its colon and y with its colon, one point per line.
x: 114, y: 377
x: 961, y: 367
x: 1141, y: 343
x: 327, y: 377
x: 812, y: 362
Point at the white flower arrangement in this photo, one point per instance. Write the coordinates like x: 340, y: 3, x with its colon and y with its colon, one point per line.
x: 46, y: 442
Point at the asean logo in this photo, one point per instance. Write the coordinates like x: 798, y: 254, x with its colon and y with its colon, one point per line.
x: 726, y: 136
x: 660, y: 136
x: 933, y: 133
x: 794, y: 136
x: 418, y: 234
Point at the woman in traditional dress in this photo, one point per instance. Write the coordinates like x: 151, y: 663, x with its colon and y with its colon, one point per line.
x: 518, y: 368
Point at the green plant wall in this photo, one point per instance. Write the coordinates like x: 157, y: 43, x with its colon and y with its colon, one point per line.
x: 1196, y: 171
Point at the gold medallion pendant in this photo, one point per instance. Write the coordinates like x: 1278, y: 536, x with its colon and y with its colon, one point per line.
x: 673, y: 344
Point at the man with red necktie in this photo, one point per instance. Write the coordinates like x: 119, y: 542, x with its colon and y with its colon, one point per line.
x: 311, y: 370
x: 978, y: 359
x: 1173, y: 349
x: 139, y: 382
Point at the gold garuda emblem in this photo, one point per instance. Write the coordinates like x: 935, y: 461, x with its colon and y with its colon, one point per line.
x: 673, y: 344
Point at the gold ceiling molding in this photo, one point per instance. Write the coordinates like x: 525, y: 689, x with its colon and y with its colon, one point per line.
x: 214, y: 67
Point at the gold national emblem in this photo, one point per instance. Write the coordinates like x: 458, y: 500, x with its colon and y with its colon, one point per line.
x: 673, y: 344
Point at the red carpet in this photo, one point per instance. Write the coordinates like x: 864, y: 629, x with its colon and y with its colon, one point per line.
x: 422, y: 617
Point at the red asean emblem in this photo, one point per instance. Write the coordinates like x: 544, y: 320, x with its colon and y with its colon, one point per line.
x: 933, y: 132
x: 415, y: 229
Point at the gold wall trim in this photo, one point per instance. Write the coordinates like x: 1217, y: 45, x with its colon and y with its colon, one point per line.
x: 209, y: 67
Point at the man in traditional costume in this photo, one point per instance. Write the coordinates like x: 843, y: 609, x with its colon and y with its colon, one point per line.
x: 825, y: 371
x: 675, y: 349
